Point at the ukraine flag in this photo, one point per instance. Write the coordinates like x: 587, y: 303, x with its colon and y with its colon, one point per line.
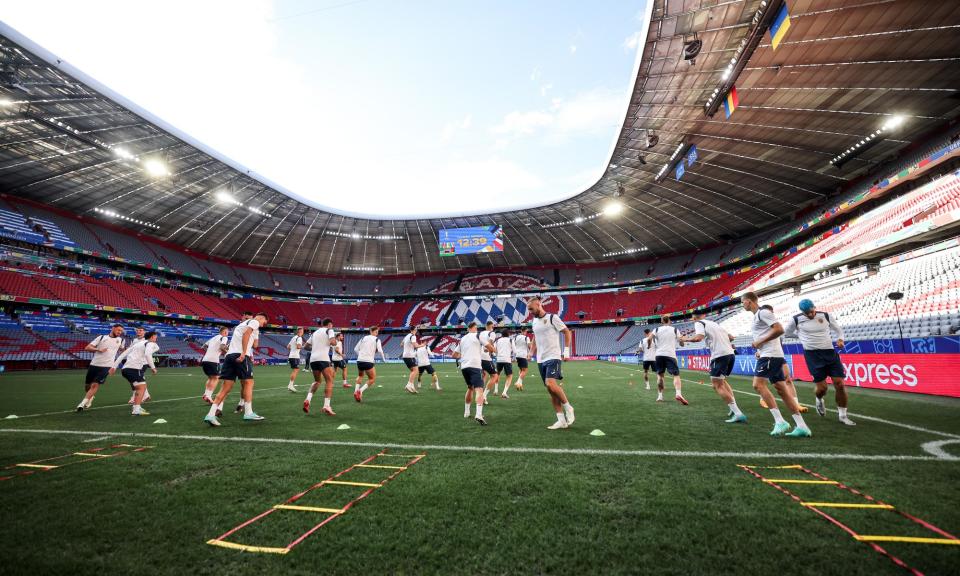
x: 780, y: 26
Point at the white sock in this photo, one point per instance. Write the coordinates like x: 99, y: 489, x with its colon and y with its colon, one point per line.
x: 734, y: 408
x: 309, y: 396
x: 363, y: 388
x: 842, y: 411
x: 345, y: 383
x: 217, y: 407
x: 291, y: 383
x: 247, y: 408
x: 659, y: 395
x: 466, y: 409
x: 213, y: 410
x: 777, y: 417
x: 519, y: 381
x: 356, y: 387
x: 485, y: 394
x: 799, y: 420
x: 561, y: 417
x: 136, y: 408
x: 567, y: 406
x: 479, y: 410
x: 326, y: 402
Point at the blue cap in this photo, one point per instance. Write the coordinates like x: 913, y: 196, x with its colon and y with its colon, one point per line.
x: 806, y: 305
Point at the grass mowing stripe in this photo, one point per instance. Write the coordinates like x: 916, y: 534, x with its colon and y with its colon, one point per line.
x: 496, y: 449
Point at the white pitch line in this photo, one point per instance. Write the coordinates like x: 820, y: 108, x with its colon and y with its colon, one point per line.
x: 743, y: 456
x: 936, y: 448
x: 151, y: 402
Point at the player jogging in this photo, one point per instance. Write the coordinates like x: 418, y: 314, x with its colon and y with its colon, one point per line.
x: 547, y: 329
x: 339, y: 362
x: 504, y: 347
x: 521, y: 350
x: 649, y: 354
x: 492, y: 379
x: 787, y: 378
x: 424, y: 365
x: 104, y: 348
x: 138, y: 332
x: 722, y: 360
x: 367, y: 349
x: 813, y: 328
x: 238, y: 365
x: 321, y: 342
x: 135, y: 360
x: 665, y: 339
x: 409, y: 356
x: 215, y: 346
x: 468, y: 352
x: 293, y: 357
x: 766, y: 340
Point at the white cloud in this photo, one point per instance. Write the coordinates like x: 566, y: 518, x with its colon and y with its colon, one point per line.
x: 593, y: 112
x: 573, y: 48
x: 450, y: 129
x: 519, y: 123
x: 632, y: 42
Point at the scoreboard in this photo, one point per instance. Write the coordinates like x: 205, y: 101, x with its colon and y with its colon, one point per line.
x: 460, y: 241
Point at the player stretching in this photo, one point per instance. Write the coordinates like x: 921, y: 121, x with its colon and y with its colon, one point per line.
x: 722, y: 359
x: 210, y: 363
x: 366, y: 350
x: 766, y: 340
x: 813, y: 328
x: 665, y: 340
x: 424, y: 365
x: 135, y: 360
x: 468, y: 352
x: 649, y: 354
x: 339, y: 362
x: 521, y: 349
x: 238, y: 364
x: 293, y: 357
x: 410, y: 347
x: 547, y: 329
x: 504, y: 347
x: 104, y: 348
x: 492, y: 379
x: 320, y: 344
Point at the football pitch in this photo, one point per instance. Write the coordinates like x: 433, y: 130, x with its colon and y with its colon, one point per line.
x: 664, y: 490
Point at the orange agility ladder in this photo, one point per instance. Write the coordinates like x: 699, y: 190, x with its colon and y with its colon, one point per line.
x: 376, y: 462
x: 57, y: 462
x: 867, y: 502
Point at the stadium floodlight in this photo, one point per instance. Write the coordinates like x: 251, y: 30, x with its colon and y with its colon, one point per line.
x: 893, y: 122
x: 869, y: 141
x: 226, y: 197
x: 5, y: 102
x: 123, y: 153
x: 156, y: 168
x: 613, y: 208
x: 578, y: 220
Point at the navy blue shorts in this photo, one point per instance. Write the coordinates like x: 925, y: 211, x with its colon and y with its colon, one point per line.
x: 97, y: 374
x: 339, y: 364
x: 364, y: 366
x: 473, y: 377
x: 410, y: 363
x: 550, y: 369
x: 428, y: 369
x: 823, y: 363
x: 210, y: 369
x: 649, y: 365
x: 771, y: 369
x: 488, y: 366
x: 667, y: 364
x: 521, y: 363
x: 232, y: 370
x: 133, y: 375
x: 505, y: 367
x: 319, y: 366
x: 722, y: 366
x: 294, y: 363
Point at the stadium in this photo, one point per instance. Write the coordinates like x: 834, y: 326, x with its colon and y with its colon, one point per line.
x: 723, y: 339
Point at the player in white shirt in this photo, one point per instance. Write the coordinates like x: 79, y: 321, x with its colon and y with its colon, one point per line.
x: 139, y: 332
x: 409, y: 356
x: 424, y: 365
x: 135, y: 360
x: 648, y: 352
x: 787, y: 378
x: 766, y: 340
x: 722, y: 359
x: 367, y: 349
x: 339, y: 360
x: 521, y: 350
x: 504, y: 346
x: 238, y: 365
x: 814, y: 328
x: 293, y: 357
x: 666, y: 339
x: 547, y: 329
x: 469, y: 352
x: 491, y: 378
x: 215, y: 346
x: 104, y: 348
x: 320, y: 344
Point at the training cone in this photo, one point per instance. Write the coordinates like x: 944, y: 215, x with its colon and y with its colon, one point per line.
x: 159, y: 421
x: 11, y: 417
x: 343, y: 427
x: 579, y: 386
x: 597, y: 432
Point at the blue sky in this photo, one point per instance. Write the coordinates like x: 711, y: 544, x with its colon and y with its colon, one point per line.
x: 374, y: 107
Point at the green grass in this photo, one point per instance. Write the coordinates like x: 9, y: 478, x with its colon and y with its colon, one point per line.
x: 650, y: 508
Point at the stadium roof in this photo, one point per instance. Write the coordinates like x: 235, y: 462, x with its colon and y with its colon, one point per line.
x: 844, y: 70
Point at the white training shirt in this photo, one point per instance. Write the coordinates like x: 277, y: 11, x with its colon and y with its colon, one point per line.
x: 138, y: 355
x: 236, y: 339
x: 715, y: 337
x: 547, y: 332
x: 504, y: 350
x: 485, y: 337
x: 367, y: 348
x: 666, y: 341
x: 762, y: 321
x: 814, y: 333
x: 409, y: 346
x: 423, y: 356
x: 113, y: 344
x: 294, y: 346
x: 521, y: 346
x: 648, y: 350
x: 337, y: 354
x: 213, y: 348
x: 320, y: 343
x: 470, y: 350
